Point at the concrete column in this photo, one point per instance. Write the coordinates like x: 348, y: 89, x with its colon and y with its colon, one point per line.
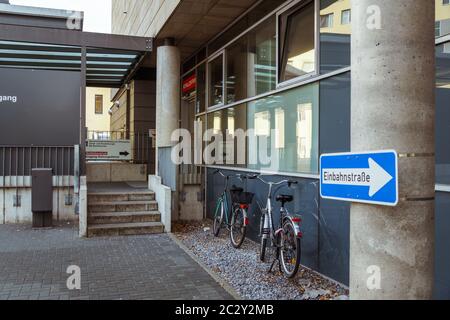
x: 167, y: 96
x: 393, y: 103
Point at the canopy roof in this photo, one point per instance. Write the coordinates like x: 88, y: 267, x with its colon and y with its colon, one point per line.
x: 107, y: 60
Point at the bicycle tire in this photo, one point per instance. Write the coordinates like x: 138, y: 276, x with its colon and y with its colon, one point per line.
x: 218, y: 219
x: 237, y: 243
x: 290, y: 273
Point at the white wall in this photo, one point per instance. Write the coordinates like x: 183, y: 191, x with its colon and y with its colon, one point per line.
x: 23, y: 214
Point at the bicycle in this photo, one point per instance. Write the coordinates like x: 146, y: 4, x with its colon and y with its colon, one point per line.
x: 240, y: 203
x: 286, y: 239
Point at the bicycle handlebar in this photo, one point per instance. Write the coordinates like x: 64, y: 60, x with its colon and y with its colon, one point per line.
x: 240, y: 176
x: 288, y: 182
x: 255, y: 176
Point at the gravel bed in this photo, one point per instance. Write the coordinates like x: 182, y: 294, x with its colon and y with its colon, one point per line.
x: 243, y: 271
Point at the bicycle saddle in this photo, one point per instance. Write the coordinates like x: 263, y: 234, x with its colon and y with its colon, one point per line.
x: 283, y: 198
x: 236, y: 189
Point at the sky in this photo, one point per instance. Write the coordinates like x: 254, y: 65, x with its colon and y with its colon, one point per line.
x: 97, y: 13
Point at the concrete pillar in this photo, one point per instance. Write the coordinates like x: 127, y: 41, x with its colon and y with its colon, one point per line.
x: 393, y: 102
x: 167, y: 96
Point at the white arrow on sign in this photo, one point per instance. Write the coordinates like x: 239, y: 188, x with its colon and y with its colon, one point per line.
x: 374, y: 177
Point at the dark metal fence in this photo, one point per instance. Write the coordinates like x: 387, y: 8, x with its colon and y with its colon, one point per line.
x: 17, y: 163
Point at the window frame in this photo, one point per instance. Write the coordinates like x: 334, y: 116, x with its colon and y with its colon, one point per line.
x: 349, y: 11
x: 300, y: 4
x: 328, y: 15
x: 95, y: 104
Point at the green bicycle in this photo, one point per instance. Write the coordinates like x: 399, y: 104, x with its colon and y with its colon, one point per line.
x: 240, y: 202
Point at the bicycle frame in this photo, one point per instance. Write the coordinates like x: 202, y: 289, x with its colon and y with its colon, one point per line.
x: 268, y: 229
x: 223, y: 199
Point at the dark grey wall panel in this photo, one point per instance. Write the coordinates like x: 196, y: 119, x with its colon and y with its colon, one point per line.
x: 335, y: 109
x: 334, y: 226
x: 334, y: 240
x: 334, y: 52
x: 442, y: 136
x: 47, y: 109
x: 442, y: 256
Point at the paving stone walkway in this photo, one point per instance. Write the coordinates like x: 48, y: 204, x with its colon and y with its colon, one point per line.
x: 33, y: 266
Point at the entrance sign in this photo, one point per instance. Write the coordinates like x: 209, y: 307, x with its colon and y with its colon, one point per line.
x: 370, y: 177
x: 109, y: 150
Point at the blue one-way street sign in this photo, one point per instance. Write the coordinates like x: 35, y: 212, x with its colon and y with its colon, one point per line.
x: 370, y: 177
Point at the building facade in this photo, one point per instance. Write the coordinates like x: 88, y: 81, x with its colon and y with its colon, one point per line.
x: 281, y: 69
x: 98, y: 102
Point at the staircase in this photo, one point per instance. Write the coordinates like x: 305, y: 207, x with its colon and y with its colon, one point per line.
x: 123, y: 214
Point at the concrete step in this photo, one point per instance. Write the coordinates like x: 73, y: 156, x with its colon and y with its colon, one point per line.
x: 123, y: 217
x: 112, y: 196
x: 125, y: 229
x: 122, y: 206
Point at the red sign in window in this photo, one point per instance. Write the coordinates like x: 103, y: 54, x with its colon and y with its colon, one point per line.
x: 189, y: 84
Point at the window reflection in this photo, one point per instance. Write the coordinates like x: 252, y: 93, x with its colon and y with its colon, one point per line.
x: 201, y: 88
x: 216, y: 81
x: 442, y: 26
x: 251, y: 63
x: 225, y: 124
x: 297, y: 45
x: 335, y: 37
x: 289, y: 121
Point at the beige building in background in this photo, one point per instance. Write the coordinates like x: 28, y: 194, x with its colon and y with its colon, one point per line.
x: 97, y: 115
x: 336, y: 18
x: 442, y: 26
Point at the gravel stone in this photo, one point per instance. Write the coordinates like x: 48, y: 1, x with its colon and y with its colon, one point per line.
x: 243, y: 271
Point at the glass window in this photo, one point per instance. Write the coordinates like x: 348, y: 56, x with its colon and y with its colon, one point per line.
x: 326, y: 21
x: 335, y: 42
x: 346, y: 16
x: 237, y: 65
x: 189, y: 87
x: 251, y: 63
x: 216, y: 89
x: 231, y: 125
x: 442, y: 19
x: 297, y: 42
x: 98, y: 104
x: 188, y: 65
x: 201, y: 89
x: 285, y: 130
x: 258, y: 13
x: 262, y: 60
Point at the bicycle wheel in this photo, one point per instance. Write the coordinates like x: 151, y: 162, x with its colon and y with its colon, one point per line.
x: 218, y: 218
x: 290, y: 250
x: 263, y: 247
x: 238, y: 229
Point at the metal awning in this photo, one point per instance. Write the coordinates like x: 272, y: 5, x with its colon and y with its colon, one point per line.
x: 108, y: 60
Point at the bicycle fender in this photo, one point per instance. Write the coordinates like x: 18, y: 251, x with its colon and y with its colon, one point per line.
x: 295, y: 220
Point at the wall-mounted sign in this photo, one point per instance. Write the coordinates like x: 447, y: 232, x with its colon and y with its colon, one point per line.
x: 189, y: 84
x: 45, y: 104
x: 109, y: 150
x: 10, y: 99
x: 370, y: 177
